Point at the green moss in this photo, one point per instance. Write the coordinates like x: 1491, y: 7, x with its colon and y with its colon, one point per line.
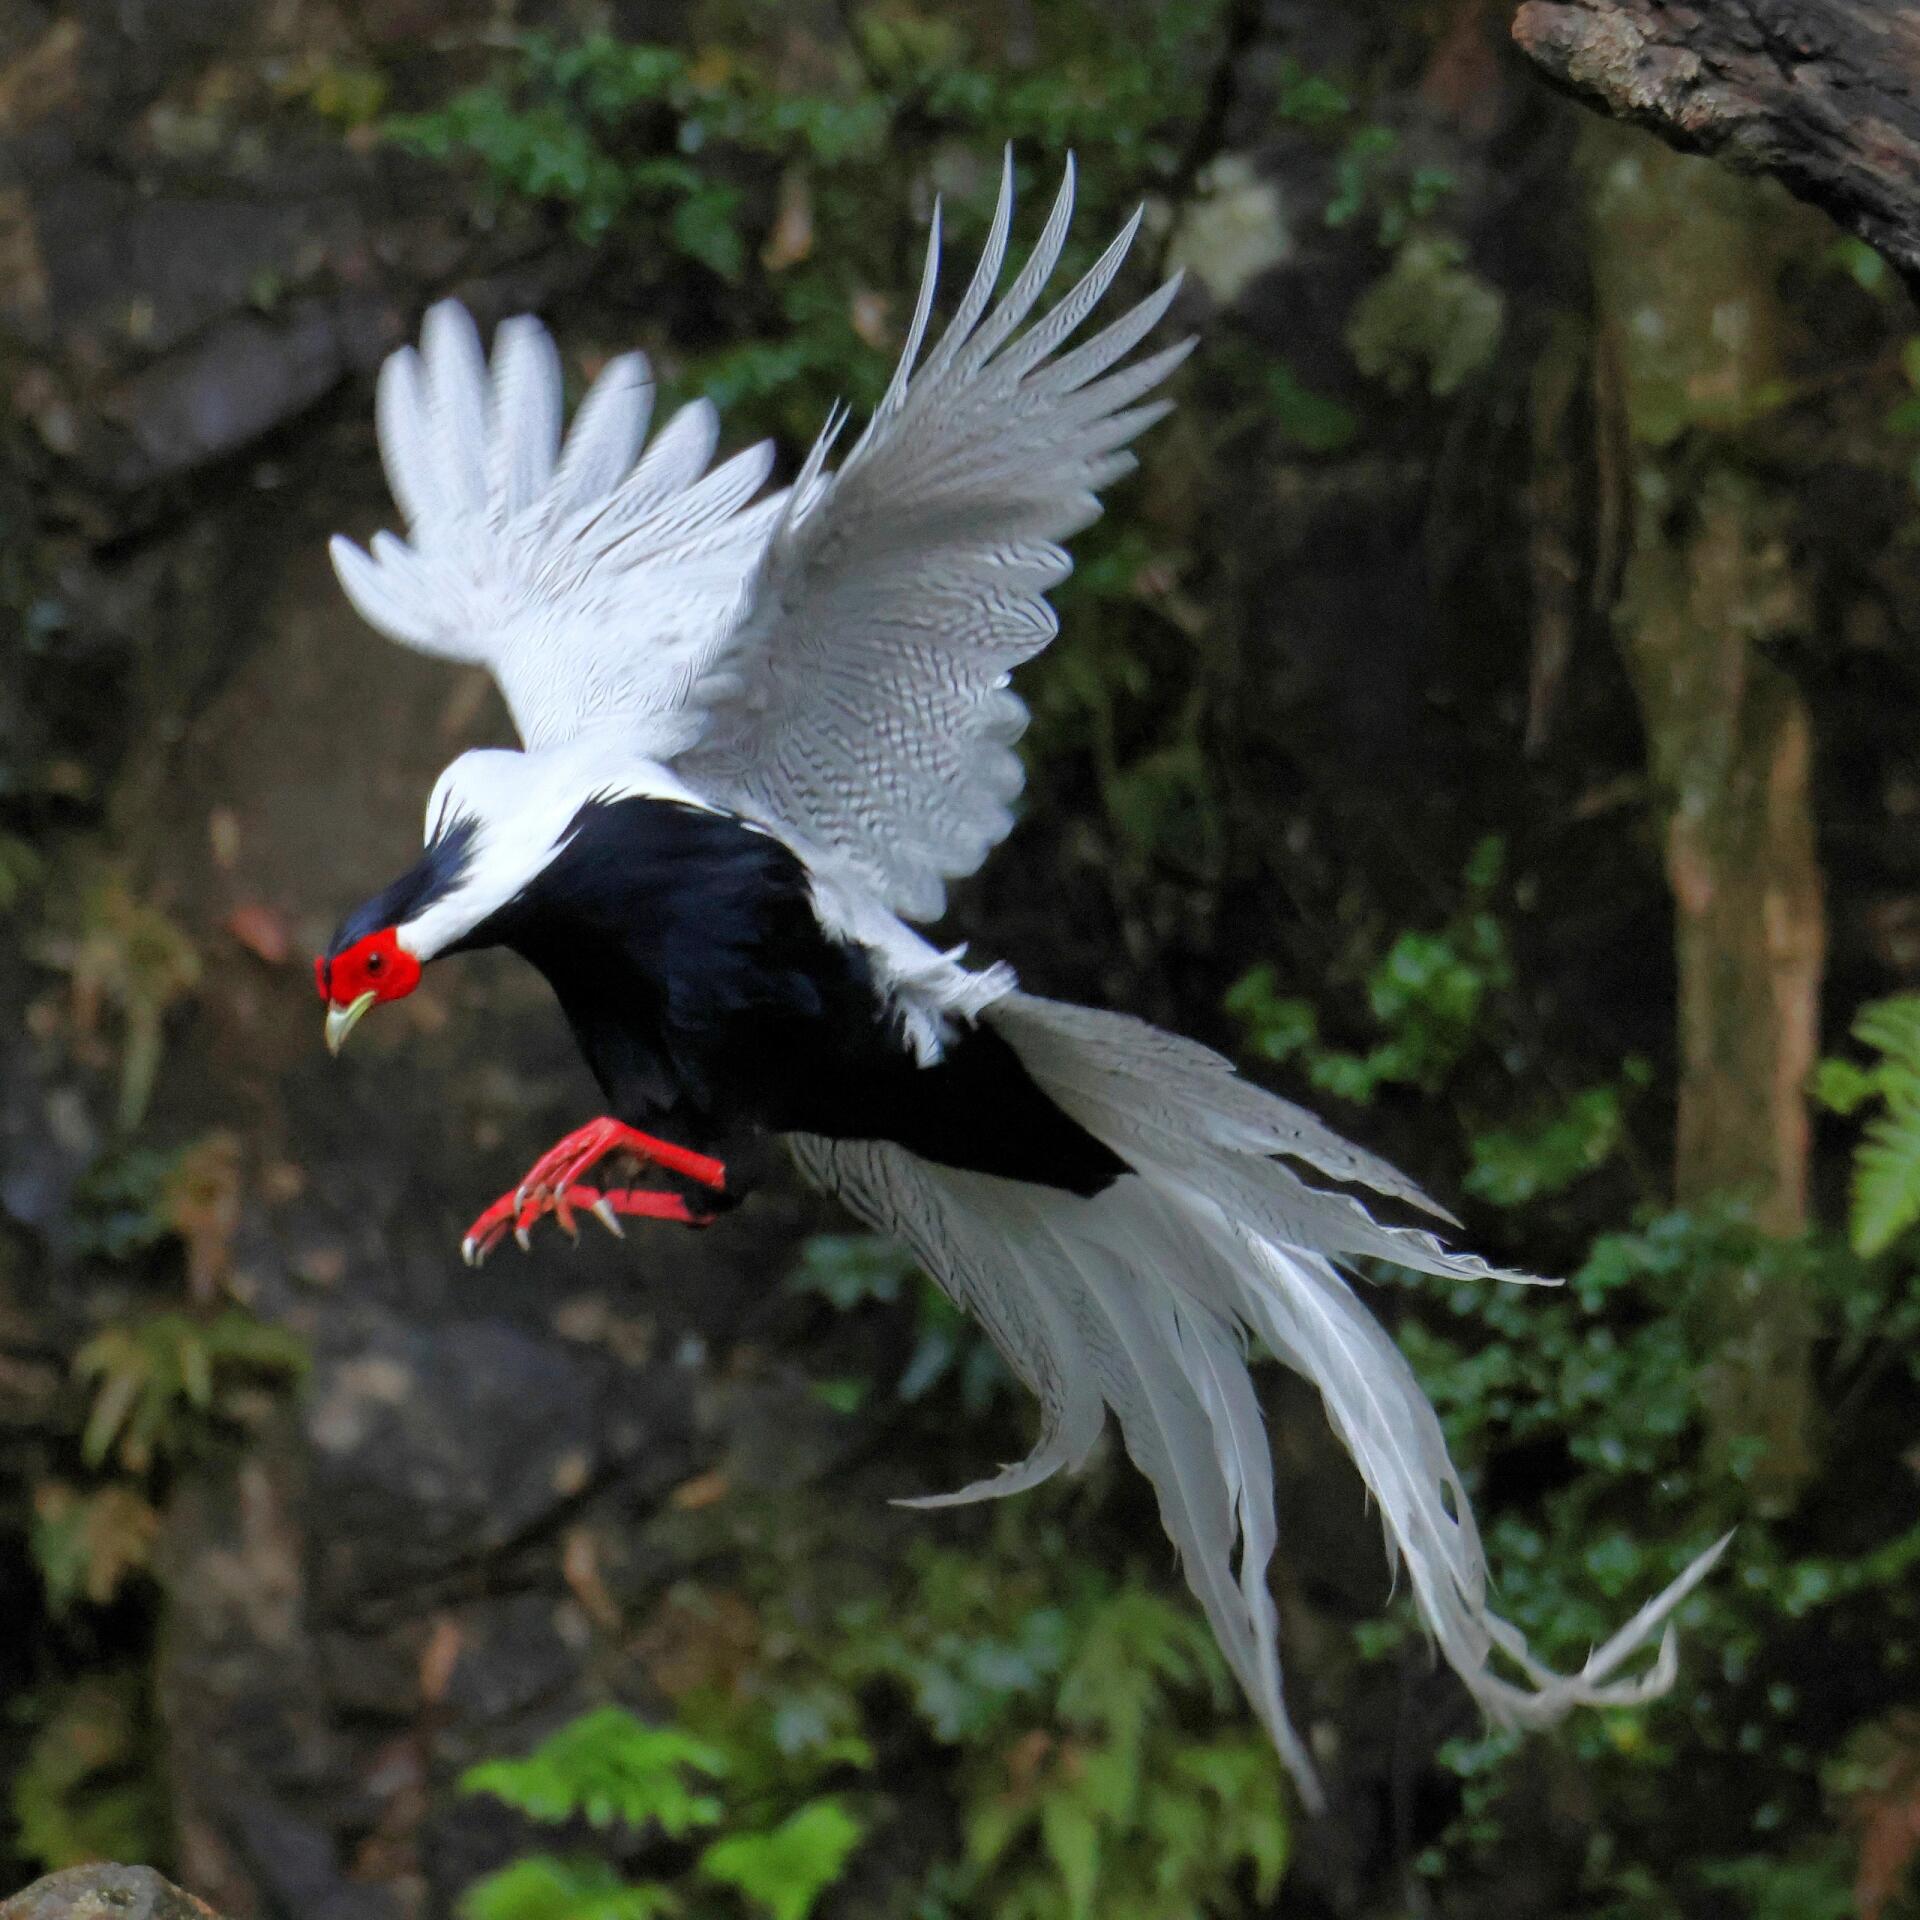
x: 1429, y: 321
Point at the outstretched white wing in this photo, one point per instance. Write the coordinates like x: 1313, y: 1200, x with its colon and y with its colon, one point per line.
x: 861, y: 702
x: 832, y: 660
x: 593, y: 579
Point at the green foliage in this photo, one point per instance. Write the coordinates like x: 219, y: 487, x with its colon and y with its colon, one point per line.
x: 1863, y: 265
x: 87, y: 1543
x: 1308, y: 99
x: 1886, y: 1164
x: 1430, y: 319
x: 1361, y: 165
x: 1903, y: 418
x: 787, y: 1869
x: 851, y: 1270
x: 88, y: 1789
x: 1611, y: 1376
x: 1513, y: 1166
x: 163, y: 1384
x: 542, y: 1886
x: 1100, y: 1758
x: 1106, y: 1813
x: 1426, y: 995
x: 1103, y: 1761
x: 715, y: 159
x: 1313, y: 422
x: 1590, y: 1416
x: 614, y: 1770
x: 608, y: 1767
x: 22, y: 869
x: 125, y: 955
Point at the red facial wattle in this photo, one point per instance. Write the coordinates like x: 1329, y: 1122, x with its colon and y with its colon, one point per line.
x: 360, y: 976
x: 378, y: 965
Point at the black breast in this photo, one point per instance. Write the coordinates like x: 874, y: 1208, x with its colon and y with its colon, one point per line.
x: 686, y: 954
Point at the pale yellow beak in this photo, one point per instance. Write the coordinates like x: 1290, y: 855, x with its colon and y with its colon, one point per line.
x: 342, y: 1020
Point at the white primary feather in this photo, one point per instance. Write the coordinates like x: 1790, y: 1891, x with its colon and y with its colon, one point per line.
x: 593, y: 578
x: 862, y: 699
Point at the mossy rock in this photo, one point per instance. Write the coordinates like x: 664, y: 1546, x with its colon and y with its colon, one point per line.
x: 105, y: 1893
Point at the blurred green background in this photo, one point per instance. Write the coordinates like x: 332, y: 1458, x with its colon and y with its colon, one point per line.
x: 1492, y: 714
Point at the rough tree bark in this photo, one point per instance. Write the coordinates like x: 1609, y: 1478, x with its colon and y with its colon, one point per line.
x: 1823, y: 94
x: 1691, y: 347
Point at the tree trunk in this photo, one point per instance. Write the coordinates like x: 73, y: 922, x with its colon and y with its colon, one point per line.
x: 1690, y: 348
x: 1823, y: 94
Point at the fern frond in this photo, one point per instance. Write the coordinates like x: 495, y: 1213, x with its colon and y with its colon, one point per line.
x: 613, y: 1769
x: 1886, y: 1178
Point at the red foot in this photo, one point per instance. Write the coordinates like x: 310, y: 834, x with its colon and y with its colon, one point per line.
x: 553, y: 1186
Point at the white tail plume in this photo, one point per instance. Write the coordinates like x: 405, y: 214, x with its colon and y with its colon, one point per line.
x: 1140, y: 1299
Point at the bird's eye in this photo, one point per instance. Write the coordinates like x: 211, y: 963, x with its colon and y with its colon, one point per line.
x: 375, y: 962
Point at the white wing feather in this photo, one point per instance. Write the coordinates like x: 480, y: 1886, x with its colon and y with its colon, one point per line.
x: 831, y: 661
x: 861, y: 702
x: 593, y: 579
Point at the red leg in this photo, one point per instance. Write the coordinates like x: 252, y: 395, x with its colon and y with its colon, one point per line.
x: 553, y: 1185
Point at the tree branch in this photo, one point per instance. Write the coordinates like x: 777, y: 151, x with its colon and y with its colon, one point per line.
x: 1823, y: 94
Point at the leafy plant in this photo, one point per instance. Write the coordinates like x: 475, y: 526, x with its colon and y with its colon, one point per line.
x: 608, y: 1767
x: 614, y: 1770
x: 1429, y: 320
x: 542, y: 1886
x: 1103, y: 1760
x: 139, y: 1197
x: 127, y: 955
x: 87, y: 1789
x: 1100, y: 1758
x: 787, y: 1868
x: 87, y: 1542
x: 1513, y: 1166
x: 1426, y: 994
x: 1602, y: 1387
x: 161, y: 1384
x: 850, y: 1270
x: 1886, y: 1164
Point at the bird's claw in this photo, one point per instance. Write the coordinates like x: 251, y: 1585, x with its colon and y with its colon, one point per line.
x: 552, y: 1185
x: 518, y: 1212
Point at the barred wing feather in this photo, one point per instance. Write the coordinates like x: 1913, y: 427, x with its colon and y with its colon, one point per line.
x: 593, y: 577
x: 862, y: 701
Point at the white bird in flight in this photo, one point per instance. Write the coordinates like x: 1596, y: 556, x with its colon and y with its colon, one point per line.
x: 762, y: 731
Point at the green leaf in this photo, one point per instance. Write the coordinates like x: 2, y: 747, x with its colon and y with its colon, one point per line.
x: 850, y: 1268
x: 1886, y: 1180
x: 612, y: 1769
x: 1840, y: 1085
x: 787, y: 1869
x: 1514, y: 1166
x: 544, y: 1887
x: 1313, y: 422
x: 706, y: 227
x: 1072, y: 1841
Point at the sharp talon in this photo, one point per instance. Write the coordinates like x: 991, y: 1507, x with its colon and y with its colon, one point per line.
x: 551, y: 1186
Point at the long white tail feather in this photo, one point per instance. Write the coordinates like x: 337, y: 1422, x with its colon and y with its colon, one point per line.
x: 1140, y: 1300
x: 1007, y: 1280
